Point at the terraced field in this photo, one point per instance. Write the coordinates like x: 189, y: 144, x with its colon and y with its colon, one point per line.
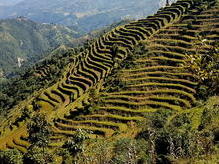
x: 98, y: 60
x: 156, y: 76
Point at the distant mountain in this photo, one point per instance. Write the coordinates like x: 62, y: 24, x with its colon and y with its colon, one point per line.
x: 24, y: 41
x: 87, y: 14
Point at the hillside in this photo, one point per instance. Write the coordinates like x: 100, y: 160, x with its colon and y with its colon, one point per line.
x: 30, y: 80
x: 144, y: 92
x: 45, y: 71
x: 23, y: 41
x: 84, y: 14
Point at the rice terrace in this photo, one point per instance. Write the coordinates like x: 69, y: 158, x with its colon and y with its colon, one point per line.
x: 144, y: 92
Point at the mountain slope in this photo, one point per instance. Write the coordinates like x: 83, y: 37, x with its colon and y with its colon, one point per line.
x: 85, y: 14
x: 41, y: 75
x: 24, y: 41
x: 126, y: 77
x: 44, y: 72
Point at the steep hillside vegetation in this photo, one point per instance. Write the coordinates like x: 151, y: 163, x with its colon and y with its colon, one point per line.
x: 24, y: 41
x: 45, y: 72
x: 30, y: 80
x: 145, y: 92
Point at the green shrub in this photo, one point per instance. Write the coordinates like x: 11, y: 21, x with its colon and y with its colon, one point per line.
x: 38, y: 155
x: 130, y: 151
x: 67, y: 157
x: 39, y: 130
x: 75, y: 143
x: 11, y: 157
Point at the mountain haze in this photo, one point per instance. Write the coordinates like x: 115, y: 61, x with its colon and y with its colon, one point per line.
x: 87, y: 14
x: 9, y: 2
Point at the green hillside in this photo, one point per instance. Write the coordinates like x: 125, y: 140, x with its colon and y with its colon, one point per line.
x: 32, y: 79
x: 144, y: 92
x: 27, y: 41
x: 45, y: 72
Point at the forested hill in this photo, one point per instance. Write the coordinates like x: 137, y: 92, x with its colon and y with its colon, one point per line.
x: 23, y: 41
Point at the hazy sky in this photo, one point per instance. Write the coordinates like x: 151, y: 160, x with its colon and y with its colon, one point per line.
x: 9, y: 2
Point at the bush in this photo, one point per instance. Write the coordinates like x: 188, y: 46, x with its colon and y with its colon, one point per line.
x: 67, y: 158
x: 172, y: 137
x: 11, y: 157
x: 130, y: 151
x: 75, y: 143
x: 38, y: 155
x: 39, y: 130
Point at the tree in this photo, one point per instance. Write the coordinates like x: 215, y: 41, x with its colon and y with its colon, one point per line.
x: 39, y: 130
x: 75, y: 143
x: 39, y: 133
